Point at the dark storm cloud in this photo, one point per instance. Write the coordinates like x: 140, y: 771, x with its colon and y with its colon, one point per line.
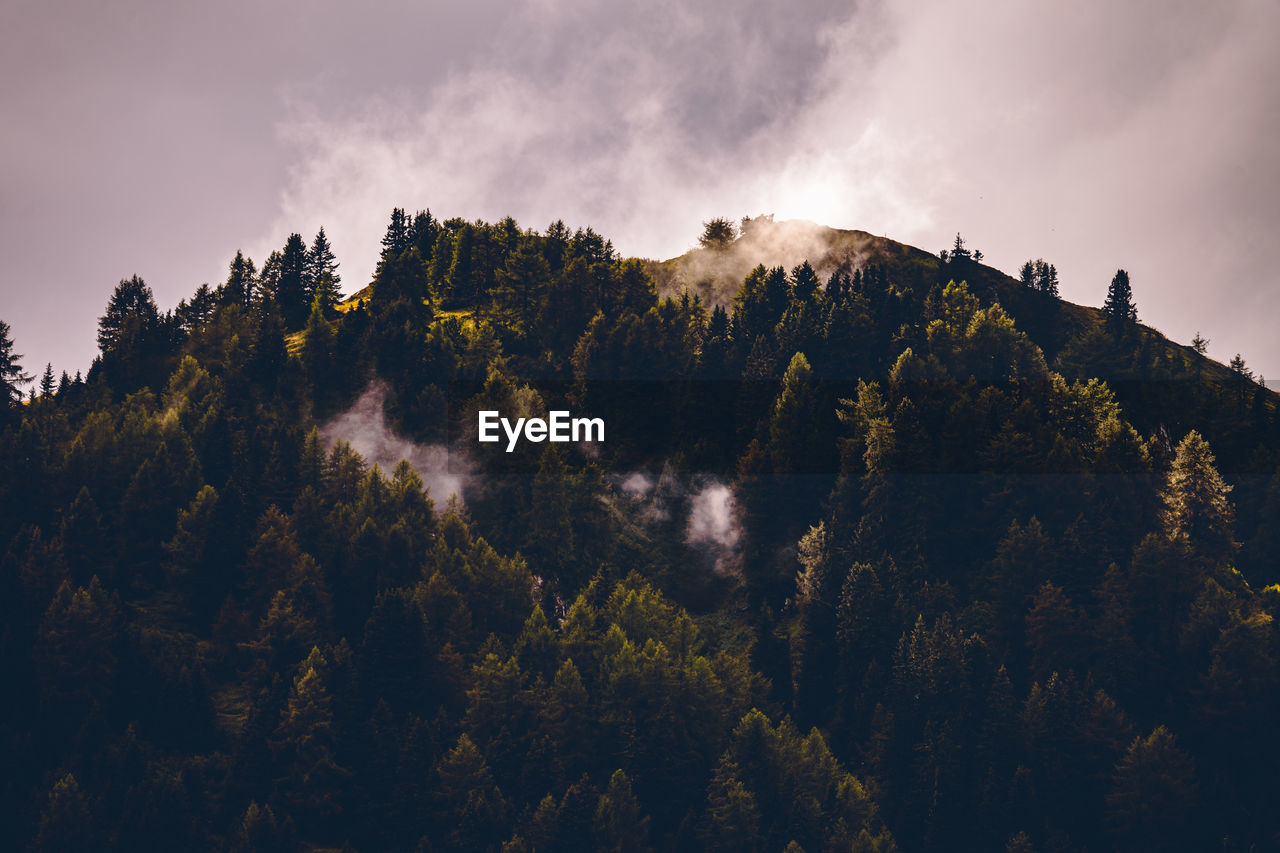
x: 1096, y: 135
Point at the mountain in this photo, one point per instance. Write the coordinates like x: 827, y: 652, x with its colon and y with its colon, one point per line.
x: 1153, y: 376
x: 873, y: 549
x: 715, y: 275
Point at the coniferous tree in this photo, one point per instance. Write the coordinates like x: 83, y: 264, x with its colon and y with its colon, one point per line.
x: 131, y: 317
x: 304, y: 743
x: 1153, y: 795
x: 1120, y: 311
x: 290, y: 284
x: 77, y: 651
x: 319, y: 353
x: 322, y: 273
x: 47, y: 382
x: 520, y: 285
x: 396, y: 240
x: 130, y: 337
x: 463, y: 279
x: 620, y: 825
x: 11, y: 373
x: 474, y: 804
x: 66, y: 824
x: 1049, y: 281
x: 1039, y: 276
x: 240, y: 283
x: 717, y: 233
x: 1027, y: 275
x: 1195, y: 500
x: 422, y: 234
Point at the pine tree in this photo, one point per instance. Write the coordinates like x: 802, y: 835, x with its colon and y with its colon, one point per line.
x: 1049, y: 281
x: 958, y: 254
x: 11, y: 373
x: 76, y: 650
x: 47, y: 381
x: 1243, y: 377
x: 396, y: 240
x: 804, y: 281
x: 291, y: 284
x: 732, y: 818
x: 240, y: 284
x: 441, y: 262
x: 85, y: 542
x: 1120, y: 311
x: 463, y: 283
x: 304, y: 742
x: 1153, y: 795
x: 1027, y: 275
x: 473, y: 804
x: 620, y: 825
x: 66, y: 824
x: 1200, y: 345
x: 130, y: 319
x: 422, y: 233
x: 319, y: 349
x: 718, y: 233
x: 550, y: 545
x: 1195, y: 501
x: 322, y: 273
x: 521, y: 283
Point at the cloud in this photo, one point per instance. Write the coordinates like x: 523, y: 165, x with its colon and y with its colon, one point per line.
x: 1093, y: 134
x: 444, y: 472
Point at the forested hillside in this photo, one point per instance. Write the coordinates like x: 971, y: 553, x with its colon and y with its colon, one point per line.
x: 883, y: 550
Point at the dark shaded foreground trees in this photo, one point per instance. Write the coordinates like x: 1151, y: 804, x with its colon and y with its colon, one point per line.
x: 953, y: 592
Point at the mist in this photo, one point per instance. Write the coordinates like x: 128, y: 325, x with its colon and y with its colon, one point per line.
x: 1092, y: 134
x: 364, y: 426
x: 914, y: 121
x: 700, y: 508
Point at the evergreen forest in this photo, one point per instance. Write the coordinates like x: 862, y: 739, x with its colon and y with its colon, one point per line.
x: 884, y: 550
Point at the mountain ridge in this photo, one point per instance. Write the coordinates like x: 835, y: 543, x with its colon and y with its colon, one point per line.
x: 715, y: 273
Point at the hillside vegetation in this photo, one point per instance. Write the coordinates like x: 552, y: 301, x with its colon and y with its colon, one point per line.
x: 884, y: 550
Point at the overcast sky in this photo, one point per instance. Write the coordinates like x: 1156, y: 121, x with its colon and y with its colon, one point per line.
x: 157, y: 138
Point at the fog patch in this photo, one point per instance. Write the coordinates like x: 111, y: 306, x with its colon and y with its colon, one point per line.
x: 698, y: 510
x: 713, y: 525
x: 364, y: 427
x: 716, y: 274
x: 636, y: 486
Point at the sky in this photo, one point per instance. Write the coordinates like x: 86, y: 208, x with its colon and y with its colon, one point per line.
x: 157, y: 138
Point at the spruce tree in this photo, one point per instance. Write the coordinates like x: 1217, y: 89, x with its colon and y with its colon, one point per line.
x: 291, y: 286
x: 422, y: 233
x: 11, y: 372
x: 1153, y: 795
x: 718, y: 233
x: 47, y: 384
x: 1195, y: 500
x: 241, y: 280
x: 1027, y: 275
x: 322, y: 273
x: 521, y: 283
x: 1120, y: 311
x: 620, y: 824
x: 396, y: 240
x: 1049, y: 280
x: 131, y: 317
